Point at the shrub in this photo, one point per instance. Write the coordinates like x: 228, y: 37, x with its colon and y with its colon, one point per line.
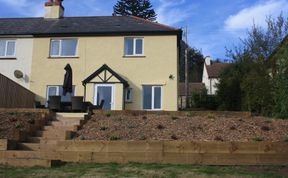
x: 265, y: 128
x: 202, y: 100
x: 142, y: 137
x: 82, y: 137
x: 160, y: 127
x: 31, y: 121
x: 174, y: 118
x: 114, y: 137
x: 103, y: 128
x: 174, y: 137
x: 280, y: 89
x: 18, y: 125
x: 286, y: 138
x: 258, y: 139
x: 210, y: 116
x: 218, y: 138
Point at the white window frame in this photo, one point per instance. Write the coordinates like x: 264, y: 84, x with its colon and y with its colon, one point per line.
x: 152, y: 98
x: 134, y: 46
x: 6, y: 49
x: 60, y: 48
x: 126, y: 94
x: 112, y: 95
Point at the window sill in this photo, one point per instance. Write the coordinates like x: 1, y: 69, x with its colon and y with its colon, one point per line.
x: 8, y: 58
x: 134, y: 56
x: 63, y: 57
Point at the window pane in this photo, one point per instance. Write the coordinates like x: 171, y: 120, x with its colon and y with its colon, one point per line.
x: 52, y: 91
x: 129, y: 46
x: 104, y: 93
x: 54, y: 49
x: 2, y: 47
x: 157, y: 97
x: 139, y: 46
x: 147, y: 97
x: 69, y: 47
x: 10, y: 48
x: 66, y: 98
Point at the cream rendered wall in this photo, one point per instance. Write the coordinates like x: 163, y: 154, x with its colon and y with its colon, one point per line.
x: 159, y: 62
x: 23, y: 61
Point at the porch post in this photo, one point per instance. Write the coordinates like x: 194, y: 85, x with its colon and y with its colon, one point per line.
x: 85, y: 93
x: 123, y: 97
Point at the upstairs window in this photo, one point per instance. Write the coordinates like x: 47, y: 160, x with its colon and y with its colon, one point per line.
x: 134, y: 47
x: 63, y: 48
x: 7, y: 48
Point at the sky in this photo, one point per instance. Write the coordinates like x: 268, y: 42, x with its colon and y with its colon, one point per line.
x: 213, y: 25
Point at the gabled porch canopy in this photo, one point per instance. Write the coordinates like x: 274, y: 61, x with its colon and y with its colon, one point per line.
x: 107, y: 76
x: 104, y: 75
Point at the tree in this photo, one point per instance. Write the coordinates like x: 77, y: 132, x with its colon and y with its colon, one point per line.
x: 139, y: 8
x: 195, y: 61
x: 247, y: 85
x: 281, y: 87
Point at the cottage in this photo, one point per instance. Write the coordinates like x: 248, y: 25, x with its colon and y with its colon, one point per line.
x: 129, y: 62
x: 211, y: 74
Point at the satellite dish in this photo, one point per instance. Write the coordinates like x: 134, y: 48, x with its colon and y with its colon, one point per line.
x: 18, y: 74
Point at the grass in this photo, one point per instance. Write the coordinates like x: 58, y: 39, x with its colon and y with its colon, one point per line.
x: 140, y: 170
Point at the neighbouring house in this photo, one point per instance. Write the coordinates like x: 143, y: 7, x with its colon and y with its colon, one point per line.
x: 129, y: 62
x: 15, y: 54
x: 211, y: 74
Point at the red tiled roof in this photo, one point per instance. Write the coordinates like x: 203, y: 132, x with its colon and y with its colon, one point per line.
x: 214, y: 70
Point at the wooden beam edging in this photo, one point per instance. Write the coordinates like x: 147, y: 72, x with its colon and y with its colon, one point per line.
x: 164, y: 152
x: 174, y: 146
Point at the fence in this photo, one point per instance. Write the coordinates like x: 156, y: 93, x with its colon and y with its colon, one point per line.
x: 13, y: 95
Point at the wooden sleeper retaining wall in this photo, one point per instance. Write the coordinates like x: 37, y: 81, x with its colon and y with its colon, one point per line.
x: 165, y: 152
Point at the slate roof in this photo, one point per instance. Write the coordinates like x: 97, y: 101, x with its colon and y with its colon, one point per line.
x: 193, y: 87
x: 98, y: 25
x: 214, y: 70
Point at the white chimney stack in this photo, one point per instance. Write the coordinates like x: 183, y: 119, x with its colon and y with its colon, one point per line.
x: 208, y: 60
x: 54, y: 9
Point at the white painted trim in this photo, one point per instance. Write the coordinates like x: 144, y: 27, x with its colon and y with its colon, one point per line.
x: 112, y: 94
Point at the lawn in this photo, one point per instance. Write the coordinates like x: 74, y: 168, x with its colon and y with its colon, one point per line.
x: 143, y: 170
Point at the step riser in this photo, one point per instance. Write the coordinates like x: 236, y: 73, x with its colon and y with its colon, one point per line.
x: 64, y: 124
x: 51, y: 134
x: 56, y: 128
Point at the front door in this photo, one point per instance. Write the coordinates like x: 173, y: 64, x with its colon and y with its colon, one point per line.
x: 104, y: 92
